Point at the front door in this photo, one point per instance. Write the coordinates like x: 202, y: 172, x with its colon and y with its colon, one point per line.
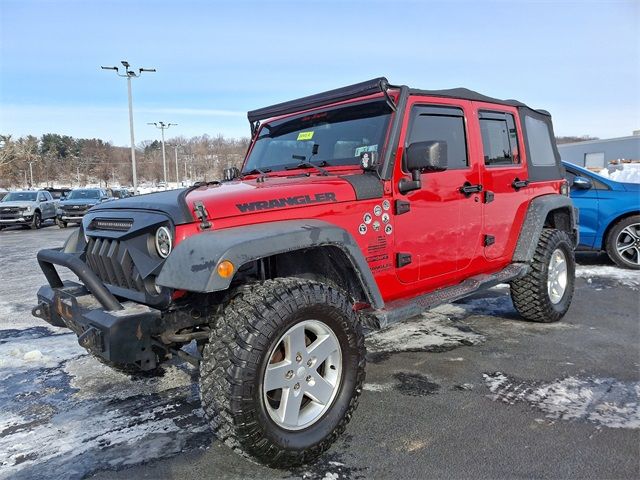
x: 438, y: 232
x: 504, y: 178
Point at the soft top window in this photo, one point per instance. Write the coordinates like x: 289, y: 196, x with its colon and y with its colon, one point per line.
x: 539, y: 139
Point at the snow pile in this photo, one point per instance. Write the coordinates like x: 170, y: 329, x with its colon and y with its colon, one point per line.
x: 607, y: 402
x: 626, y: 172
x: 621, y: 276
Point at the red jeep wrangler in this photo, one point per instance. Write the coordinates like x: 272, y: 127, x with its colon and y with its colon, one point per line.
x: 354, y: 209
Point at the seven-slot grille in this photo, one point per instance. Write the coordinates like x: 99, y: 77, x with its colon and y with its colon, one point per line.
x: 112, y: 263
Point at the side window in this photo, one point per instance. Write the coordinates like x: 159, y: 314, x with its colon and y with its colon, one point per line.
x: 499, y: 139
x: 48, y: 196
x: 41, y: 197
x: 539, y: 139
x: 444, y: 124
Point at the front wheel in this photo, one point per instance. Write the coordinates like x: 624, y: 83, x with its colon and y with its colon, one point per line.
x: 545, y: 293
x: 61, y: 223
x: 283, y: 370
x: 36, y: 222
x: 623, y: 243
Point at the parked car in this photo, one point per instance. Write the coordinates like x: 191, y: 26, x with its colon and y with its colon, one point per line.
x: 28, y: 207
x: 609, y: 215
x: 77, y: 203
x: 117, y: 193
x: 358, y: 207
x: 58, y: 193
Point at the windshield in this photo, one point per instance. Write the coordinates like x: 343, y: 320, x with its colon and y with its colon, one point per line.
x: 338, y: 136
x: 83, y: 194
x: 21, y: 197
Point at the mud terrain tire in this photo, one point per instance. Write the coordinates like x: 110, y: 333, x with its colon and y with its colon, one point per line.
x: 242, y: 343
x: 530, y: 294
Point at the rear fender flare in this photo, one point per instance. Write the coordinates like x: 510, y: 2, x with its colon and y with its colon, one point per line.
x: 193, y: 264
x: 534, y: 222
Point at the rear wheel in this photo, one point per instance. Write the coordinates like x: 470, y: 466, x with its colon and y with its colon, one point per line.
x: 623, y: 243
x: 61, y: 223
x: 283, y: 370
x: 545, y: 293
x: 36, y: 222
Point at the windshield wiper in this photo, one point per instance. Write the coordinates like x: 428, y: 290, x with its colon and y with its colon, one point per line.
x: 305, y: 164
x: 256, y: 171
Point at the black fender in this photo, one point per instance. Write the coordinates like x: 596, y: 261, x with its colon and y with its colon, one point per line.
x: 193, y: 264
x: 534, y: 222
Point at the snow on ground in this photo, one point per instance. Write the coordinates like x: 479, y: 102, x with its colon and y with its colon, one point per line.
x: 604, y: 401
x: 430, y: 332
x: 65, y: 415
x: 626, y: 172
x: 620, y: 276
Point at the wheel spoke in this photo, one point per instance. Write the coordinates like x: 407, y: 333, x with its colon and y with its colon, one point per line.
x: 629, y: 231
x: 295, y: 343
x: 290, y: 406
x: 321, y: 391
x: 276, y: 375
x: 322, y: 348
x: 624, y: 248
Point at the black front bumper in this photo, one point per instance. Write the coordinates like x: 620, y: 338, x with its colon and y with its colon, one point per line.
x: 118, y: 332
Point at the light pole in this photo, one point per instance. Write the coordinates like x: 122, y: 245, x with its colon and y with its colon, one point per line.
x: 163, y: 126
x: 129, y: 74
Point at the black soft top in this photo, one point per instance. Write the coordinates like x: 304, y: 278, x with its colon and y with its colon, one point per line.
x: 369, y: 87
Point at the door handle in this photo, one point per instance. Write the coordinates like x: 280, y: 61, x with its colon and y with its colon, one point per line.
x: 467, y: 189
x: 517, y: 184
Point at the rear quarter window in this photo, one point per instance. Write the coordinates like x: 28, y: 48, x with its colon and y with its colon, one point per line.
x: 539, y: 140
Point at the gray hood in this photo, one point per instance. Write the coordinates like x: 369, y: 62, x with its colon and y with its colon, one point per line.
x: 21, y: 203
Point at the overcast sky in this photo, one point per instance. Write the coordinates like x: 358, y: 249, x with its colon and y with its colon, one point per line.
x: 216, y: 60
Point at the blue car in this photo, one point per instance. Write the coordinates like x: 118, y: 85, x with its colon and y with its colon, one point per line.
x: 609, y: 215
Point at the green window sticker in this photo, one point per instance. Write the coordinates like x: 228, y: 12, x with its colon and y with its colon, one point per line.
x: 305, y: 135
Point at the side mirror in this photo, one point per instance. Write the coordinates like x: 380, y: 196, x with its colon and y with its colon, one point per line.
x: 428, y: 156
x: 582, y: 183
x: 422, y: 157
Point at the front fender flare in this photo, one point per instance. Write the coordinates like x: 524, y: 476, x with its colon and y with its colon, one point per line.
x: 193, y: 264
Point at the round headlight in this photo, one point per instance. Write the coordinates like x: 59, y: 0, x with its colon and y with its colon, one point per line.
x: 163, y: 242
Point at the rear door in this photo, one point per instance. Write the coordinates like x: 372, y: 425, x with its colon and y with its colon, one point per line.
x: 504, y: 178
x: 437, y: 227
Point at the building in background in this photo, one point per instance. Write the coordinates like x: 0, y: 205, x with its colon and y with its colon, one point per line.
x: 598, y: 154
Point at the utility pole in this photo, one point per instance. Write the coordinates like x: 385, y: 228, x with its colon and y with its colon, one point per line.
x: 129, y: 74
x: 163, y: 126
x: 177, y: 169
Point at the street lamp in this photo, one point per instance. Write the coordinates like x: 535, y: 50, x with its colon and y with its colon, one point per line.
x: 163, y: 126
x: 129, y: 74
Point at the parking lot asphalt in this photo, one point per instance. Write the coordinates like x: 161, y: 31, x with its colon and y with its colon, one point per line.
x: 465, y: 391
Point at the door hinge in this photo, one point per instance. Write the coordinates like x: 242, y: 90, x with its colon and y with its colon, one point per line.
x: 489, y: 240
x: 403, y: 259
x: 402, y: 207
x: 489, y: 196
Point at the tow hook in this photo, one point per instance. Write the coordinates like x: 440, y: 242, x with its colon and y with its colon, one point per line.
x: 40, y: 311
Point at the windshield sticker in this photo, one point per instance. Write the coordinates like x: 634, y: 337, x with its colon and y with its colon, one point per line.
x: 367, y: 148
x: 305, y: 135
